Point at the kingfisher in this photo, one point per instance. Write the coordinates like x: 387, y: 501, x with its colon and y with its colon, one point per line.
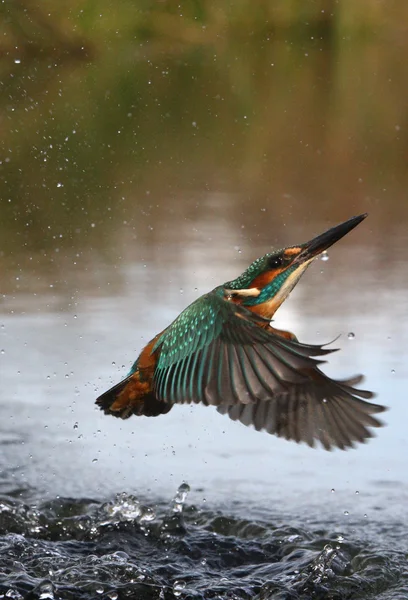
x: 223, y: 351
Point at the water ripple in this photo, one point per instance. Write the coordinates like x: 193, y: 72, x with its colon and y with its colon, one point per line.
x: 69, y: 549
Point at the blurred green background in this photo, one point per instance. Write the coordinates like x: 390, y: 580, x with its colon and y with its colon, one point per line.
x: 119, y: 118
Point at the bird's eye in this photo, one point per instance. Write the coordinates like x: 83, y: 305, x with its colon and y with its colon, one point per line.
x: 275, y: 261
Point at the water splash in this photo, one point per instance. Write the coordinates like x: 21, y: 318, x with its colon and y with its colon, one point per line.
x: 82, y: 550
x: 180, y: 497
x: 126, y: 507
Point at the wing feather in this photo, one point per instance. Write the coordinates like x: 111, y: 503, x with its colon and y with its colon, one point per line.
x: 221, y: 354
x: 319, y: 409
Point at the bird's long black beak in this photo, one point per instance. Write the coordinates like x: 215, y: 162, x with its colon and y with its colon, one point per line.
x: 323, y: 241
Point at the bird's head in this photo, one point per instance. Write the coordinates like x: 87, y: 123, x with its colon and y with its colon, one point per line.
x: 269, y: 280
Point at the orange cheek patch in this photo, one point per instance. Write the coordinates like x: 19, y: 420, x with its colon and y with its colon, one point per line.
x: 264, y: 278
x: 290, y: 252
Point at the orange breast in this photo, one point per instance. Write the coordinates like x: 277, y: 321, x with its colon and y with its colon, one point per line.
x: 266, y: 309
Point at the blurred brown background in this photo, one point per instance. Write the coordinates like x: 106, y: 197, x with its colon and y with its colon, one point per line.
x: 119, y: 120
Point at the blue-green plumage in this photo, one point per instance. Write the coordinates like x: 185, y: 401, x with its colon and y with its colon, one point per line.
x: 271, y: 289
x: 258, y: 266
x: 222, y: 351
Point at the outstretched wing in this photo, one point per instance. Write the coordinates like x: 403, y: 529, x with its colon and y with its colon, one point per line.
x: 321, y: 408
x: 216, y: 353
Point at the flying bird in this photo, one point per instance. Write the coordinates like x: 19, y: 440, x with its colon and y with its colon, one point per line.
x: 223, y: 351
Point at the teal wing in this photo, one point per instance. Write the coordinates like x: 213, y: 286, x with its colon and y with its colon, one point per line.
x: 216, y: 353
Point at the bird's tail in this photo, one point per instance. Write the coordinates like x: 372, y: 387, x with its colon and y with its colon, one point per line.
x: 109, y: 398
x: 132, y: 397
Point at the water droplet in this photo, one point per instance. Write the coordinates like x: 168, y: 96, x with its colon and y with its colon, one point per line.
x: 60, y: 185
x: 124, y: 508
x: 393, y: 371
x: 2, y: 352
x: 99, y: 590
x: 357, y: 492
x: 324, y: 255
x: 332, y: 490
x: 94, y: 460
x: 351, y: 335
x: 76, y: 425
x: 180, y: 497
x: 346, y: 513
x: 178, y: 587
x: 146, y: 514
x: 17, y: 61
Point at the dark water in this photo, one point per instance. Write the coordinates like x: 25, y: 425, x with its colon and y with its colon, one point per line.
x: 145, y: 157
x: 77, y: 548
